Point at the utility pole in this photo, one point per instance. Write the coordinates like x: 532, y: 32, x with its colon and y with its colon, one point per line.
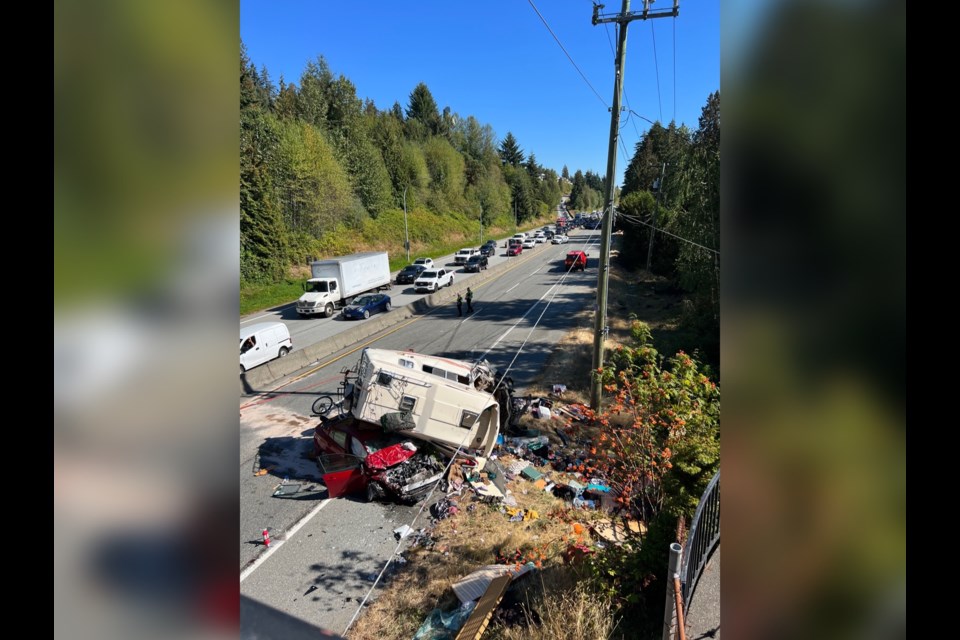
x: 622, y: 19
x: 656, y: 214
x: 516, y: 220
x: 481, y: 225
x: 406, y: 231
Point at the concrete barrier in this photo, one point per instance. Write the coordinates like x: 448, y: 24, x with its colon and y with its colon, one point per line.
x: 262, y: 376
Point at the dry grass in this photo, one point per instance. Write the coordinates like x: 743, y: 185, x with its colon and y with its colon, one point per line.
x: 466, y: 542
x: 564, y: 606
x: 575, y: 613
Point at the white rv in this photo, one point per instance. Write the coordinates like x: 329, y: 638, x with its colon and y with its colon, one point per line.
x: 448, y: 402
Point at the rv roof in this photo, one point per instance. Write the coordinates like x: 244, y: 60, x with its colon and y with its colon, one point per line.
x: 390, y: 356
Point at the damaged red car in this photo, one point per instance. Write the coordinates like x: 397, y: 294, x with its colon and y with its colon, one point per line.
x: 358, y: 459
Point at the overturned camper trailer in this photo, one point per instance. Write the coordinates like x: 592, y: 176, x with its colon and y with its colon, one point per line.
x: 451, y: 403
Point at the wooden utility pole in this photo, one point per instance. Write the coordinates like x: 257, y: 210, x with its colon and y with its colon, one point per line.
x: 600, y: 323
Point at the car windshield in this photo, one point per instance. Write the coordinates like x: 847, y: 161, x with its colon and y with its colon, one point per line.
x: 474, y: 258
x: 362, y: 300
x: 426, y: 275
x: 411, y: 269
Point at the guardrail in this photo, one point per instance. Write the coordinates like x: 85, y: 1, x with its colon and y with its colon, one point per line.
x: 703, y: 539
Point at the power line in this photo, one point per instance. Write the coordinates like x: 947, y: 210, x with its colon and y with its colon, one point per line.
x: 544, y: 20
x: 453, y: 457
x: 656, y: 68
x: 674, y: 70
x: 640, y: 116
x: 681, y: 238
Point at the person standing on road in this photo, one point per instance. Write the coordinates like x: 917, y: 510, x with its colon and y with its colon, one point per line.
x: 459, y: 305
x: 469, y: 300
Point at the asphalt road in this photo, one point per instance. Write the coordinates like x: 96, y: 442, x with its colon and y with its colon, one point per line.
x: 338, y: 546
x: 307, y: 330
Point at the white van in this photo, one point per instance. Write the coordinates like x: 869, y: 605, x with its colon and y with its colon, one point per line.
x: 262, y: 342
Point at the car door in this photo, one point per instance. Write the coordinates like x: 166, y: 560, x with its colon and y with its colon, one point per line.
x: 255, y: 354
x: 342, y: 474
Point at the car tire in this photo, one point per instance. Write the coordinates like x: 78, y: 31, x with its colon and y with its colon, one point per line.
x: 366, y: 315
x: 387, y: 307
x: 283, y: 352
x: 328, y: 310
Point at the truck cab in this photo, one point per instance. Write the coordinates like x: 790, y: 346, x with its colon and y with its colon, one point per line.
x: 320, y: 296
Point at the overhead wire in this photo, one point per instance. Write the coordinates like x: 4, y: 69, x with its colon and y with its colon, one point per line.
x: 555, y: 288
x: 637, y: 220
x: 566, y: 53
x: 656, y: 67
x: 674, y: 22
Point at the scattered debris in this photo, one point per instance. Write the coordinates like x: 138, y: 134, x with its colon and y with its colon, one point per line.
x: 442, y: 626
x: 402, y: 531
x: 477, y: 623
x: 474, y: 585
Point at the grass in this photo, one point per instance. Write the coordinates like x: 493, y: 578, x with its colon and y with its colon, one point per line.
x: 466, y: 542
x: 556, y: 600
x: 257, y: 297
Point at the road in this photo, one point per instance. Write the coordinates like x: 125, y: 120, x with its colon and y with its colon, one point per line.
x: 311, y: 329
x: 338, y: 546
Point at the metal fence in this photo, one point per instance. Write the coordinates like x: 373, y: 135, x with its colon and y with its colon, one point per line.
x: 704, y: 538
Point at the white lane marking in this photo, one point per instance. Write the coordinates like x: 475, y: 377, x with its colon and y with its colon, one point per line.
x: 515, y: 324
x: 267, y: 315
x: 279, y: 543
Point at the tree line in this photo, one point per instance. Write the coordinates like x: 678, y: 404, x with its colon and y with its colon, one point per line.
x: 319, y: 164
x: 673, y: 182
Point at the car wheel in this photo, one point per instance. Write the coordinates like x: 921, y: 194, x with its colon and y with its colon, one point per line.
x: 366, y: 315
x: 328, y: 310
x: 436, y: 287
x: 387, y: 307
x: 283, y: 351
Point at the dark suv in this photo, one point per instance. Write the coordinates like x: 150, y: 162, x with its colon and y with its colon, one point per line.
x: 409, y: 274
x: 476, y: 263
x: 489, y: 249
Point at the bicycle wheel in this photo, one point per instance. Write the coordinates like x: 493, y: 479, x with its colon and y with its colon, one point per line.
x: 322, y: 405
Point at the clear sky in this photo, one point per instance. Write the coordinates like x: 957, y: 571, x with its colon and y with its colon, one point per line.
x: 496, y: 60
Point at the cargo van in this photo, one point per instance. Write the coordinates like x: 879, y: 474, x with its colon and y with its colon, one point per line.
x: 263, y: 342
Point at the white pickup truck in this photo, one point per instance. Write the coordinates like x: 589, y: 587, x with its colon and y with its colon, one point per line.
x: 464, y: 255
x: 431, y: 280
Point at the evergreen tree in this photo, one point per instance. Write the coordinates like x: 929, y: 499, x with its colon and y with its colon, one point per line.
x: 510, y: 151
x: 423, y: 108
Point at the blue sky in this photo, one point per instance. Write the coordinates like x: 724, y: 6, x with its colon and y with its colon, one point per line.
x: 496, y: 61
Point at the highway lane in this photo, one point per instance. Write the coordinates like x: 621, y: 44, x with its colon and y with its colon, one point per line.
x: 346, y: 537
x: 311, y: 329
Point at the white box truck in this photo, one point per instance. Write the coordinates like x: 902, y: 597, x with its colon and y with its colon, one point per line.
x: 336, y: 281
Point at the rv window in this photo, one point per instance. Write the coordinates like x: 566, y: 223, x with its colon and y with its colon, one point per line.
x: 452, y: 375
x: 467, y: 419
x: 435, y: 371
x: 407, y: 403
x: 384, y: 379
x: 406, y: 364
